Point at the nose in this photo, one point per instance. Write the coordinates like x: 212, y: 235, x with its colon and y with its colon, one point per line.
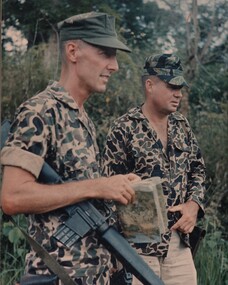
x: 177, y: 93
x: 113, y: 65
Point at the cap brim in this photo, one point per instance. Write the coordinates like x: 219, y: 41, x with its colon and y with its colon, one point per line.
x: 108, y: 42
x: 174, y: 80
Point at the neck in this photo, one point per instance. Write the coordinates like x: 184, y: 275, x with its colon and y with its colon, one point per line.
x: 72, y: 86
x: 153, y: 115
x: 158, y: 122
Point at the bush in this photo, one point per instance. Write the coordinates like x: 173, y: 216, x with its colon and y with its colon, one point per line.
x: 23, y: 76
x: 212, y: 257
x: 210, y: 127
x: 15, y: 249
x: 211, y: 131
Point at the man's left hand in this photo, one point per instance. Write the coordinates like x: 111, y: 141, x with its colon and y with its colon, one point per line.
x: 189, y: 211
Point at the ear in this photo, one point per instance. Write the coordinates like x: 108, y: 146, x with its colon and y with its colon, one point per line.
x: 72, y: 51
x: 149, y: 84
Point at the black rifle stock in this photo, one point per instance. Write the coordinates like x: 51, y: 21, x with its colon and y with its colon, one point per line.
x: 84, y: 217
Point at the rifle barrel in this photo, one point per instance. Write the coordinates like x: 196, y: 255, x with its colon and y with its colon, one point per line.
x: 117, y: 244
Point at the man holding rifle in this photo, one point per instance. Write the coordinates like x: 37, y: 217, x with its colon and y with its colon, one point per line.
x: 53, y: 127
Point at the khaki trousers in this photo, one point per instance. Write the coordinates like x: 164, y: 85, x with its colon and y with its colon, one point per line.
x: 177, y: 268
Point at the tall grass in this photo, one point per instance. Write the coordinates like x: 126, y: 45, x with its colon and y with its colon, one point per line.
x: 13, y: 250
x: 212, y: 258
x: 210, y: 126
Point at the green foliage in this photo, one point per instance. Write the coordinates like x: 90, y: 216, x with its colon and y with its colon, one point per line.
x: 23, y: 76
x: 212, y: 257
x: 14, y: 249
x: 210, y: 126
x: 210, y: 86
x: 41, y: 16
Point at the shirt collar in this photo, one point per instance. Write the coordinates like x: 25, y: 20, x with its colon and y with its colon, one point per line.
x: 61, y: 94
x: 137, y: 113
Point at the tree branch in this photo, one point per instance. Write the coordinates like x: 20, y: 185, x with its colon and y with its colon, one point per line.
x: 195, y: 26
x: 167, y: 3
x: 209, y: 37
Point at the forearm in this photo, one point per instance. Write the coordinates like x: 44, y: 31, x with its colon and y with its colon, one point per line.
x: 196, y: 192
x: 197, y: 174
x: 23, y: 194
x: 196, y: 182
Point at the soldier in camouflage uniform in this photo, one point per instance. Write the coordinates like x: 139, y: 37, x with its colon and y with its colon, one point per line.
x: 53, y: 127
x: 154, y: 140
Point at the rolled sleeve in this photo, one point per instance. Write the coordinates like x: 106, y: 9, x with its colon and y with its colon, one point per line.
x: 13, y: 156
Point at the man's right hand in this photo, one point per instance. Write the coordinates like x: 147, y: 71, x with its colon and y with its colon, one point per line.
x: 118, y: 188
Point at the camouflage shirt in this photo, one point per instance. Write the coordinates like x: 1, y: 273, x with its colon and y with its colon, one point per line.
x: 50, y: 127
x: 133, y: 146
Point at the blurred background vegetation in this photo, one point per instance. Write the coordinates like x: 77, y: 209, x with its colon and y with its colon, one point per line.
x: 196, y: 31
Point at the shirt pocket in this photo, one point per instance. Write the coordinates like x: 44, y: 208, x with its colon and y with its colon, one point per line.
x: 182, y: 157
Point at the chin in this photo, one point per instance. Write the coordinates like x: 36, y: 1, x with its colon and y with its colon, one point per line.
x: 100, y: 90
x: 174, y: 109
x: 170, y: 111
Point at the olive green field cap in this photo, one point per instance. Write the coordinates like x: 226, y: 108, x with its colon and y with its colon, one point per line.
x: 167, y: 67
x: 94, y: 28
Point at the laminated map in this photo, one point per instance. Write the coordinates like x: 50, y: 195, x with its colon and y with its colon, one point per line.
x: 146, y: 219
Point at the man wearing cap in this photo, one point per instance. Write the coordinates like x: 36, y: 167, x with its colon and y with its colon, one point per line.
x: 154, y: 140
x: 54, y: 127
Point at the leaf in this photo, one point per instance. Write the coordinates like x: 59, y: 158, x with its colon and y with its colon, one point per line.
x: 15, y: 236
x: 21, y: 252
x: 7, y: 227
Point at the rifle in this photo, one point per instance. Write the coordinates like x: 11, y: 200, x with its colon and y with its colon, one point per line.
x: 85, y: 218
